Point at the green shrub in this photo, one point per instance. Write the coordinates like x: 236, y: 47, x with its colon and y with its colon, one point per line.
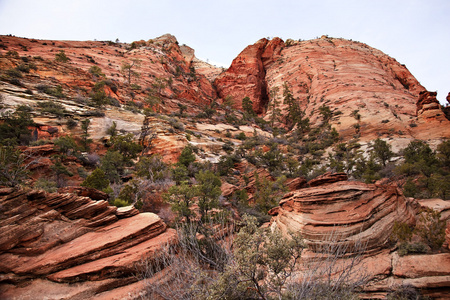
x: 135, y: 87
x: 71, y: 123
x: 15, y: 128
x: 66, y: 145
x: 13, y: 169
x: 128, y: 193
x: 120, y: 203
x: 241, y: 136
x: 23, y: 68
x: 401, y: 232
x: 187, y: 156
x: 52, y: 91
x: 46, y: 185
x: 431, y: 228
x: 405, y: 292
x: 14, y: 73
x: 61, y: 57
x: 96, y: 71
x: 97, y: 180
x: 153, y: 168
x: 412, y: 248
x: 53, y: 108
x: 176, y: 124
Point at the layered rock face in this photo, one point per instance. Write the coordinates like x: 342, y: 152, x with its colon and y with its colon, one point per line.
x: 352, y: 211
x: 359, y: 218
x: 158, y: 60
x: 246, y: 75
x: 349, y: 77
x: 63, y: 246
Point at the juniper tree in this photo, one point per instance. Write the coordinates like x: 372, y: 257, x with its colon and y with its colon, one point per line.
x: 209, y: 192
x: 276, y: 112
x: 128, y: 69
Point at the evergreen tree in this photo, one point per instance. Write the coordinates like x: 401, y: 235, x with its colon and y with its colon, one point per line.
x: 247, y: 106
x: 15, y: 128
x: 187, y: 156
x: 276, y: 112
x: 85, y: 140
x: 96, y: 180
x: 13, y: 168
x: 209, y: 192
x: 112, y: 163
x: 126, y: 146
x: 382, y: 151
x: 295, y: 115
x: 326, y: 113
x: 181, y: 198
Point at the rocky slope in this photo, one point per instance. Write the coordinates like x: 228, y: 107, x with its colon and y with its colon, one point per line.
x: 69, y: 246
x: 349, y: 77
x: 356, y: 216
x: 160, y: 58
x: 63, y: 246
x: 370, y: 94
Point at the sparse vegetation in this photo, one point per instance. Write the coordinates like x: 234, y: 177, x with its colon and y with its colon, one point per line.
x: 61, y: 57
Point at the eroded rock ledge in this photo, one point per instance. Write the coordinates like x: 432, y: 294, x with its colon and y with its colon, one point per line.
x: 65, y: 246
x: 355, y: 211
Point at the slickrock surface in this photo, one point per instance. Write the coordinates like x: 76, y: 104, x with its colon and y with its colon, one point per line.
x: 345, y: 75
x: 354, y: 211
x: 159, y: 58
x: 64, y: 246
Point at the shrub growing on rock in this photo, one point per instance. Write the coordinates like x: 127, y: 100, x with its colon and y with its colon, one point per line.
x: 61, y: 57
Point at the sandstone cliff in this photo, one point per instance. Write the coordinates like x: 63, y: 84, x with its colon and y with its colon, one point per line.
x: 349, y: 77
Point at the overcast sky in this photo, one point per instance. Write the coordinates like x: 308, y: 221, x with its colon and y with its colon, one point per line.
x: 415, y: 32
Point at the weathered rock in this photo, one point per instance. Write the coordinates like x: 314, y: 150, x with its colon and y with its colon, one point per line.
x: 296, y: 183
x: 246, y: 76
x: 415, y: 266
x: 427, y: 102
x: 447, y: 235
x: 126, y: 212
x: 85, y: 192
x: 442, y: 206
x: 227, y: 189
x: 74, y: 241
x: 430, y: 113
x: 121, y: 263
x: 328, y: 178
x: 346, y: 76
x: 88, y: 247
x: 350, y: 211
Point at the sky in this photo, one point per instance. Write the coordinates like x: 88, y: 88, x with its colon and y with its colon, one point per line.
x: 415, y: 32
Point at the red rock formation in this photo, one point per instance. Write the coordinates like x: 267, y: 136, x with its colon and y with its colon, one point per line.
x: 352, y: 210
x: 427, y: 102
x: 159, y: 58
x: 84, y: 192
x: 246, y: 75
x: 342, y: 74
x: 50, y: 240
x: 447, y: 235
x: 328, y: 178
x: 296, y: 183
